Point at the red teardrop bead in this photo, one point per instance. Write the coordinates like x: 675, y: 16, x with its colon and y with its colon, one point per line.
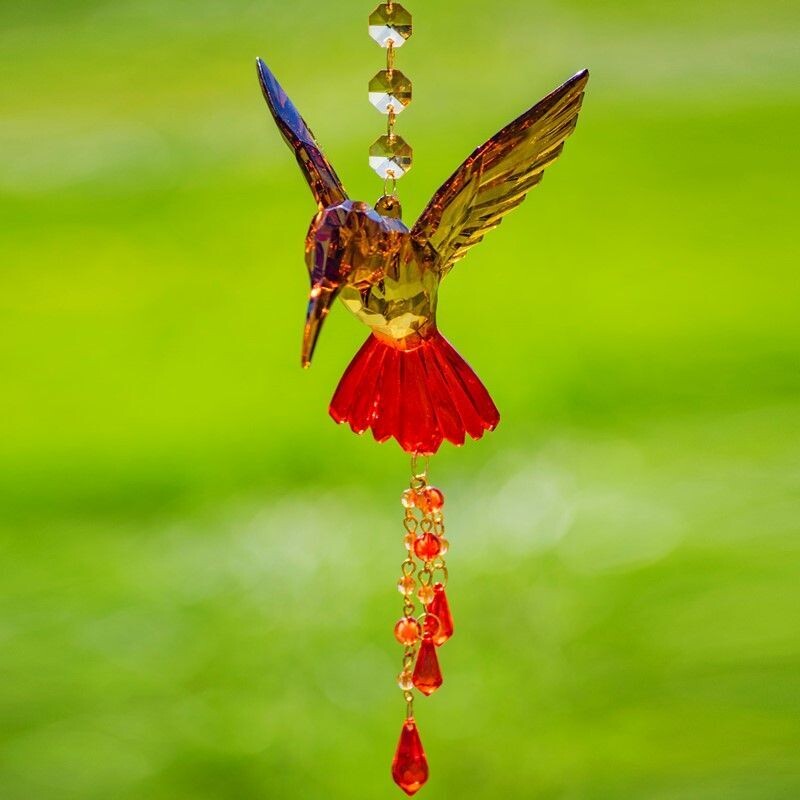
x: 409, y: 766
x: 427, y: 675
x: 440, y: 608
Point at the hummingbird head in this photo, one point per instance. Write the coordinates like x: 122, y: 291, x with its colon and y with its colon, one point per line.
x: 348, y: 244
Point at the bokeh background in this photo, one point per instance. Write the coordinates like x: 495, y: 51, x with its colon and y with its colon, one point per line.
x: 197, y: 589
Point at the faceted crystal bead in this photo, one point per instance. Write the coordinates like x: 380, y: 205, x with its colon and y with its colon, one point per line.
x: 389, y: 206
x: 390, y: 23
x: 425, y: 594
x: 390, y: 90
x: 390, y: 156
x: 406, y: 585
x: 409, y: 766
x: 427, y: 547
x: 441, y: 609
x: 427, y: 675
x: 408, y: 498
x: 407, y: 630
x: 405, y: 680
x: 430, y: 500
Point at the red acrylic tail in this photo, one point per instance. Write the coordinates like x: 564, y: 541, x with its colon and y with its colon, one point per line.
x: 420, y: 396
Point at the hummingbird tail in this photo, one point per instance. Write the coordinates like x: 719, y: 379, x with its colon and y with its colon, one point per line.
x: 420, y: 397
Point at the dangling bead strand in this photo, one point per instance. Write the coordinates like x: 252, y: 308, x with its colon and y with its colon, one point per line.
x: 421, y: 636
x: 409, y: 766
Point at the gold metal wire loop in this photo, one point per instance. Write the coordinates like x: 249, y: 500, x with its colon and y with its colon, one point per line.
x: 411, y: 524
x: 416, y: 473
x: 409, y: 697
x: 390, y: 185
x: 425, y: 614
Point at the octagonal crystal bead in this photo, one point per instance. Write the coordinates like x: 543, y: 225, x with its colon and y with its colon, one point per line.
x: 390, y: 89
x: 390, y: 157
x: 390, y: 23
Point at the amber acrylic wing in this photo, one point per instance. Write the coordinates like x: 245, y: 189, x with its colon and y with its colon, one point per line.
x: 497, y: 176
x: 324, y: 183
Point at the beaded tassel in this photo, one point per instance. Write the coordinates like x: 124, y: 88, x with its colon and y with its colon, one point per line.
x: 420, y: 635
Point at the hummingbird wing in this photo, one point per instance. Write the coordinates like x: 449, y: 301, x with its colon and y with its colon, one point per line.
x: 324, y: 182
x: 497, y: 176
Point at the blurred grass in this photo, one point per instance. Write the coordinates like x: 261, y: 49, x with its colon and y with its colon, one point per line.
x: 199, y: 564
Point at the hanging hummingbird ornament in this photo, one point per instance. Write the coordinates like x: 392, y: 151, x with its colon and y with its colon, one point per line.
x: 407, y: 382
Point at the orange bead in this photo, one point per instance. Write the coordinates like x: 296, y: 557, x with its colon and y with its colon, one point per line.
x: 405, y: 680
x: 407, y: 631
x: 427, y: 547
x: 409, y: 540
x: 425, y: 594
x: 406, y: 585
x: 444, y: 546
x: 408, y: 498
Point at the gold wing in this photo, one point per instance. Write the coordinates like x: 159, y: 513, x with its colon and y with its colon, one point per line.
x: 497, y: 176
x: 322, y: 179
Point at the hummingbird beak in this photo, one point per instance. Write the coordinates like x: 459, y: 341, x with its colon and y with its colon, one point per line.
x: 319, y: 304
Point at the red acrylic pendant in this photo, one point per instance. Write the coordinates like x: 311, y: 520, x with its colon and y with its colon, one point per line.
x: 410, y: 767
x: 427, y: 675
x: 440, y: 608
x: 442, y: 398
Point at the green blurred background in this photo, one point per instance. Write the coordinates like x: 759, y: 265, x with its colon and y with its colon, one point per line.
x: 197, y: 589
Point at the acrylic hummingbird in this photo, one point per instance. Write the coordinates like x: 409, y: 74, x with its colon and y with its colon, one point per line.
x: 407, y: 381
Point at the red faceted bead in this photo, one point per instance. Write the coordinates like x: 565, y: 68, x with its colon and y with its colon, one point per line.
x: 407, y: 630
x: 427, y: 547
x: 409, y: 766
x: 427, y: 675
x: 440, y: 608
x: 430, y: 499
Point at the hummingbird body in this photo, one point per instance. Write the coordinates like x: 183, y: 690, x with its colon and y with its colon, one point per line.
x: 407, y: 381
x: 370, y: 261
